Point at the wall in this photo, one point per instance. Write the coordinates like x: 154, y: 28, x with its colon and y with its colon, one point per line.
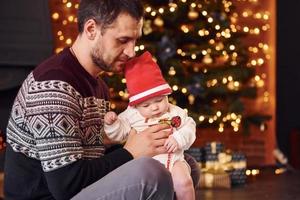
x: 288, y: 71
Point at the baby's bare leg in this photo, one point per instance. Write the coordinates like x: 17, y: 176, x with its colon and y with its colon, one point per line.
x: 183, y: 183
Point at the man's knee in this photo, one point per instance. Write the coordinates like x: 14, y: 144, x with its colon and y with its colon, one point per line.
x: 151, y: 170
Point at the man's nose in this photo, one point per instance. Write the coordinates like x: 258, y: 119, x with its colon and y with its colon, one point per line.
x: 129, y: 50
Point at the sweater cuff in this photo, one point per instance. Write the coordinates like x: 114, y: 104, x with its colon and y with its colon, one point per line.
x: 120, y: 156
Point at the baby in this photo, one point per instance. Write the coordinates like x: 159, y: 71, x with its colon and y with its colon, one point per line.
x: 148, y: 105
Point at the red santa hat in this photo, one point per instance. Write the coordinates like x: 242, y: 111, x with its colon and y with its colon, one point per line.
x: 144, y: 79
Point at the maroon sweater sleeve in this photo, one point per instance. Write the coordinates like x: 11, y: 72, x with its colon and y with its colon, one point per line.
x: 67, y: 181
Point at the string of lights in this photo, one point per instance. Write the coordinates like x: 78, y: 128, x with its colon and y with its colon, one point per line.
x: 211, y: 45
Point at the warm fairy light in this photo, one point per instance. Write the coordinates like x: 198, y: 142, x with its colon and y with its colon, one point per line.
x: 148, y: 9
x: 193, y: 5
x: 121, y: 93
x: 201, y: 118
x: 142, y: 47
x: 260, y: 61
x: 266, y: 17
x: 245, y: 14
x: 252, y: 172
x: 69, y: 5
x: 266, y: 96
x: 256, y: 31
x: 231, y: 47
x: 221, y: 129
x: 248, y: 172
x: 161, y: 10
x: 204, y: 12
x: 55, y: 16
x: 175, y: 87
x: 201, y: 32
x: 173, y: 7
x: 246, y: 29
x: 184, y: 28
x: 172, y: 71
x: 57, y: 50
x: 71, y: 18
x: 253, y: 62
x: 265, y: 47
x: 69, y: 41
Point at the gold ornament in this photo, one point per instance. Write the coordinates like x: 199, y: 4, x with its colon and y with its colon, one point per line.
x: 207, y: 59
x: 193, y: 14
x: 158, y: 21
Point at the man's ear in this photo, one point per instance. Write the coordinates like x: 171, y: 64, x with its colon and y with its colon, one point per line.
x: 90, y: 29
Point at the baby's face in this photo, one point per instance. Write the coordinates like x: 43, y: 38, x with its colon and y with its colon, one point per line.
x: 154, y: 107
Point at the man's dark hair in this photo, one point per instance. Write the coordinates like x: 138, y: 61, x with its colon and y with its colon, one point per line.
x: 105, y: 12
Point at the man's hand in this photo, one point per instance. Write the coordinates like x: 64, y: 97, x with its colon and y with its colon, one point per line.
x: 149, y: 142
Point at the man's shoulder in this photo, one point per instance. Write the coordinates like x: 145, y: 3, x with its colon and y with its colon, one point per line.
x: 52, y: 68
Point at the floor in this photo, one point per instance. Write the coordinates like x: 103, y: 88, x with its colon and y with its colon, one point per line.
x: 265, y: 185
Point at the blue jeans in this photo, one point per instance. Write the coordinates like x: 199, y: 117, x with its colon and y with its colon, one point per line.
x: 139, y: 179
x: 143, y: 178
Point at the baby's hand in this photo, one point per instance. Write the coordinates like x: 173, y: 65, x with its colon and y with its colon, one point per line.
x: 110, y: 118
x: 171, y: 144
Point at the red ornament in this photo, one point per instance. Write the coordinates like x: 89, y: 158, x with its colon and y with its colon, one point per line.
x: 176, y: 121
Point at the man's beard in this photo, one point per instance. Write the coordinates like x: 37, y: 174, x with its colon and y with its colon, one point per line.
x: 98, y: 60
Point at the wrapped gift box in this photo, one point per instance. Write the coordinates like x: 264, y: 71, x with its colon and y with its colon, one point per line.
x: 214, y: 179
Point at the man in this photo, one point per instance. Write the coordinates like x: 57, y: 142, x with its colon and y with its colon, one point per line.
x: 55, y: 145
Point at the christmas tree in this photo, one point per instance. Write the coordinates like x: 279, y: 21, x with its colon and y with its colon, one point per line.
x: 203, y: 58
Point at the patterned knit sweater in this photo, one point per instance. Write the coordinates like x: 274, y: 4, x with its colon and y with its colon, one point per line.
x: 55, y: 132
